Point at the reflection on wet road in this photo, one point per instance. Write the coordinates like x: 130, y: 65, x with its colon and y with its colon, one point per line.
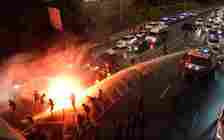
x: 196, y: 109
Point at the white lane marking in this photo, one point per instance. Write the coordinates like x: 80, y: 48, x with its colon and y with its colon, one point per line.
x: 165, y: 92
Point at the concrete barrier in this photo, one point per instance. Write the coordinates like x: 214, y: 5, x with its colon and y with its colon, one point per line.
x: 122, y: 89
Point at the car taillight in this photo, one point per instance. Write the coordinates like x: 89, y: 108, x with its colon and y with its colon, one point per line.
x: 189, y: 65
x: 152, y: 46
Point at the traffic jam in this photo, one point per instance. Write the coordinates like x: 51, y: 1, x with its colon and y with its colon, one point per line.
x: 199, y: 64
x: 47, y: 79
x: 148, y: 36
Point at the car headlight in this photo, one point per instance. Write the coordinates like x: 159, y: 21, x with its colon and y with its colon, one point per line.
x: 197, y: 67
x: 212, y: 36
x: 153, y: 39
x: 189, y: 66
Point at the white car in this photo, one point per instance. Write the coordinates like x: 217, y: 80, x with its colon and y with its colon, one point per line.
x: 140, y: 35
x: 216, y: 26
x: 155, y: 24
x: 199, y: 22
x: 121, y: 43
x: 132, y: 40
x: 126, y: 40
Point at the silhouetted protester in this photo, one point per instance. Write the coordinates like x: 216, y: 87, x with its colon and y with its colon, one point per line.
x: 132, y: 61
x: 72, y: 98
x: 96, y: 104
x: 117, y: 131
x: 42, y: 99
x: 36, y: 96
x: 80, y: 126
x: 140, y: 105
x: 101, y: 99
x: 165, y: 49
x: 12, y: 105
x: 87, y: 110
x: 51, y: 104
x: 36, y: 99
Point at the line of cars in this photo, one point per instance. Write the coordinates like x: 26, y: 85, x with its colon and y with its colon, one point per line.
x: 178, y: 17
x: 149, y: 35
x: 202, y: 62
x: 212, y: 28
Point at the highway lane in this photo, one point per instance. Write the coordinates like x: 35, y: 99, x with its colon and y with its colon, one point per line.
x: 175, y: 34
x: 196, y: 109
x: 174, y: 109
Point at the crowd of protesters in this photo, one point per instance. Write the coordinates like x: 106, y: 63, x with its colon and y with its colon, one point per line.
x: 84, y: 127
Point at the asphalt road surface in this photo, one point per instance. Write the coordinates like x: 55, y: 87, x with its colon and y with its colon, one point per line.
x: 197, y: 107
x: 177, y: 110
x: 175, y: 35
x: 171, y: 114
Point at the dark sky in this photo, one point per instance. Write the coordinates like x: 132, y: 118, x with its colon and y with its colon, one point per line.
x: 11, y: 12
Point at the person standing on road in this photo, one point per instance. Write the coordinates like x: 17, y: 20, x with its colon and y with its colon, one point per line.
x: 36, y: 99
x: 87, y: 110
x: 72, y: 98
x: 51, y: 104
x: 164, y: 40
x: 12, y: 105
x: 42, y: 98
x: 165, y: 49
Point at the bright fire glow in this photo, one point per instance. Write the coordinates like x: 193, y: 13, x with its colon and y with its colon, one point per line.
x: 60, y: 90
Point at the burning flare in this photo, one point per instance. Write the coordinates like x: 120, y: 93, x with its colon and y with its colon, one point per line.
x: 60, y: 90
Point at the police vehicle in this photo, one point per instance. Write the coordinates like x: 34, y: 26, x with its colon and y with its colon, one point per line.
x: 198, y: 63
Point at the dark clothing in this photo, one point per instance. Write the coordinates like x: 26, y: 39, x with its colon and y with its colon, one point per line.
x: 12, y: 105
x: 165, y: 49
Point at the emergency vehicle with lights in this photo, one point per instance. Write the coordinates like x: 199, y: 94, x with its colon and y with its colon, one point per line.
x: 198, y: 63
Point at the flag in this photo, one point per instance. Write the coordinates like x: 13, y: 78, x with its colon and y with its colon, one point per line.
x: 55, y: 18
